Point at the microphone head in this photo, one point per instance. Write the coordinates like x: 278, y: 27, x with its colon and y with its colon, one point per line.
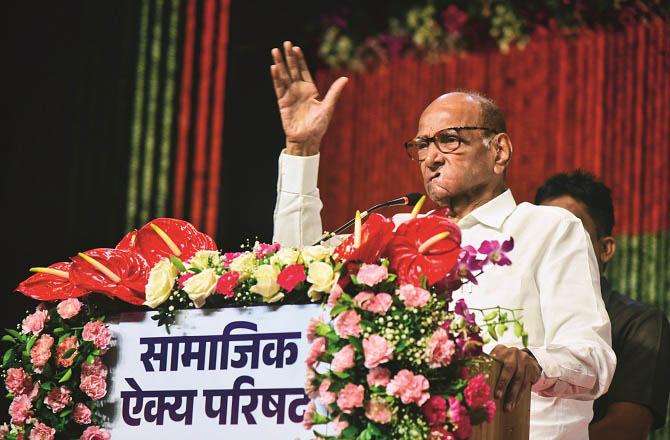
x: 412, y: 198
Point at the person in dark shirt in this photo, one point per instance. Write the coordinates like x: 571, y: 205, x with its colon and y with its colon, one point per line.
x: 637, y: 399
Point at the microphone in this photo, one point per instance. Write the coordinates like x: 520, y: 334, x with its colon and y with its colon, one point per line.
x: 407, y: 200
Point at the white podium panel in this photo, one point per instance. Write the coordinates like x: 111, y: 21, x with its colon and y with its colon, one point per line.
x: 234, y: 373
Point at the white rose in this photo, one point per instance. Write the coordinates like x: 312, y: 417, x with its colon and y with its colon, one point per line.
x: 322, y: 278
x: 206, y: 259
x: 315, y: 253
x: 200, y: 286
x: 244, y: 264
x: 285, y: 257
x: 161, y: 280
x: 266, y: 283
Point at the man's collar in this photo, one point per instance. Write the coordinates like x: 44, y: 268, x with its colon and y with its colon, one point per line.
x: 492, y: 213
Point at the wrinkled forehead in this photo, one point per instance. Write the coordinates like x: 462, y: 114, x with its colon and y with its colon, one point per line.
x: 451, y: 110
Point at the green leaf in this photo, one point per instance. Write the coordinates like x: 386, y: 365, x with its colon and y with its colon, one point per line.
x: 58, y: 330
x: 178, y: 263
x: 65, y: 413
x: 68, y: 353
x: 30, y: 343
x: 524, y: 339
x: 340, y: 374
x: 90, y: 359
x: 358, y: 345
x: 46, y: 386
x: 66, y: 376
x: 8, y: 355
x: 8, y: 338
x: 96, y: 352
x: 14, y: 333
x: 338, y: 309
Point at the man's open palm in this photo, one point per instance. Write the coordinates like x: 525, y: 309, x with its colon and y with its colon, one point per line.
x: 304, y: 118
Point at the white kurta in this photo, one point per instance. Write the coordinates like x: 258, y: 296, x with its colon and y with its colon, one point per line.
x: 553, y: 277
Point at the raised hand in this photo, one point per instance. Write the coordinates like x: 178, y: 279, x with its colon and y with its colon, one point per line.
x: 305, y: 119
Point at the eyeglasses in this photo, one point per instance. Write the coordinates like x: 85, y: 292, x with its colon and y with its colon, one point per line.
x: 446, y: 140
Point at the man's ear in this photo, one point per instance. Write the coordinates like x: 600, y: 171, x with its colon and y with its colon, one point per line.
x: 606, y: 249
x: 503, y: 146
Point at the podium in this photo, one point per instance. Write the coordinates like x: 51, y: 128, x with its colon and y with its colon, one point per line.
x: 514, y: 425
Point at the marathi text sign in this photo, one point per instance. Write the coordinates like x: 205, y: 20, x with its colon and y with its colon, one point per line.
x: 231, y: 372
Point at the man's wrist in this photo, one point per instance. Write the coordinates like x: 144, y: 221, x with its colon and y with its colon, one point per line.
x: 300, y: 149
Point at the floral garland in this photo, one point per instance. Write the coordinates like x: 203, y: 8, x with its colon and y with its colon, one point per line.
x: 392, y: 362
x: 356, y: 37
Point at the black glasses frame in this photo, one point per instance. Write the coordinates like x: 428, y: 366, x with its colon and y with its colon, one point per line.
x: 409, y: 145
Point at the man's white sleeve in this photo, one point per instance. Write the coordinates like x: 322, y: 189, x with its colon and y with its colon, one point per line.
x: 577, y: 359
x: 297, y: 215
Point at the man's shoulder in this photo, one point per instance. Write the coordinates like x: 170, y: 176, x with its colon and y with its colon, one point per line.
x: 547, y: 216
x: 635, y: 319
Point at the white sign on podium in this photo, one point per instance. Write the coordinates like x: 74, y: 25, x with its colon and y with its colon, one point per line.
x: 235, y: 373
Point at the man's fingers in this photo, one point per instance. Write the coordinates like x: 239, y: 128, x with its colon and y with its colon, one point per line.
x: 506, y: 375
x: 281, y: 67
x: 302, y: 64
x: 516, y: 387
x: 291, y: 61
x: 278, y: 84
x: 334, y: 92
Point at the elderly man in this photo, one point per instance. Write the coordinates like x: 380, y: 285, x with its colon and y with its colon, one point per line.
x: 463, y: 150
x: 637, y: 400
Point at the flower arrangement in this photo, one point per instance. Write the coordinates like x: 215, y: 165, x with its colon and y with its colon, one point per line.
x: 54, y: 373
x: 392, y: 362
x: 358, y: 36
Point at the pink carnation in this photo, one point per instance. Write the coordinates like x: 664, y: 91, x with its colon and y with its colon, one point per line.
x: 58, y: 398
x: 339, y: 426
x: 20, y: 409
x: 379, y: 303
x: 371, y: 274
x: 441, y: 433
x: 4, y: 431
x: 226, y: 284
x: 334, y: 296
x: 228, y: 257
x: 315, y: 351
x: 81, y: 414
x: 311, y: 329
x: 95, y: 433
x: 490, y: 408
x: 310, y: 386
x: 435, y: 411
x: 95, y: 387
x: 350, y: 397
x: 379, y: 376
x: 262, y: 250
x: 67, y: 344
x: 477, y: 391
x: 34, y: 323
x: 326, y: 397
x: 308, y: 417
x: 409, y: 387
x: 413, y: 296
x: 378, y: 410
x: 459, y: 417
x: 18, y: 381
x: 440, y: 349
x: 376, y: 351
x: 41, y: 352
x: 42, y: 432
x: 348, y: 324
x: 343, y: 359
x: 97, y: 368
x: 98, y: 333
x: 69, y: 308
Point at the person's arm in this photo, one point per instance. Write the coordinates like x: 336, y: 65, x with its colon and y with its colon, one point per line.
x: 305, y: 119
x: 576, y: 357
x: 297, y: 219
x: 623, y: 421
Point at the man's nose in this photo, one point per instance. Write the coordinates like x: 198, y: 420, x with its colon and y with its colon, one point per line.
x: 434, y: 157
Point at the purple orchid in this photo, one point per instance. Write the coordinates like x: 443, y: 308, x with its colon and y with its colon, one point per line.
x: 462, y: 309
x: 470, y: 344
x: 496, y: 252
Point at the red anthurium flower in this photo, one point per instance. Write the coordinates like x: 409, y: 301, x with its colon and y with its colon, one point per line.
x: 164, y: 237
x: 291, y: 276
x: 421, y: 247
x: 376, y: 233
x: 129, y: 241
x: 51, y: 284
x: 117, y: 273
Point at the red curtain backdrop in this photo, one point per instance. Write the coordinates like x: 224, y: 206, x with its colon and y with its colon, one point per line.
x: 598, y: 102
